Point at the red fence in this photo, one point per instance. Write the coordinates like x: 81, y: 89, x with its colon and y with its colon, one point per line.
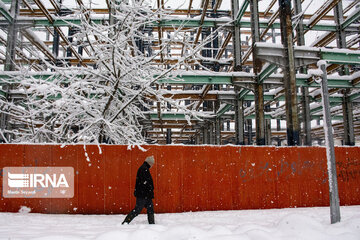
x: 189, y: 178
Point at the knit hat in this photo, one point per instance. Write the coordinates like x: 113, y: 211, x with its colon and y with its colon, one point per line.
x: 150, y: 160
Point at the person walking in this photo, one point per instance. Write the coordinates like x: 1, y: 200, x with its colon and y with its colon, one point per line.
x: 144, y: 192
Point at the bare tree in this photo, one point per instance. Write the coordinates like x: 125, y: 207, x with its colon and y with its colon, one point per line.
x: 103, y: 101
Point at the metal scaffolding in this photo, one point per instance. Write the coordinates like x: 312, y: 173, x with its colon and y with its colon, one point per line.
x: 263, y: 89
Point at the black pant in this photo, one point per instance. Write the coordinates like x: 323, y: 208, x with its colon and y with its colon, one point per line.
x: 140, y: 204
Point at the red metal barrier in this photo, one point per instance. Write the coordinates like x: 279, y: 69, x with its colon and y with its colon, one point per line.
x: 189, y: 178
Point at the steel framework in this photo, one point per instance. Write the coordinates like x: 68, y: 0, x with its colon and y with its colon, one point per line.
x: 263, y: 89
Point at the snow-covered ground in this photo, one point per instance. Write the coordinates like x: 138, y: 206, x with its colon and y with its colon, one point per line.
x: 296, y: 223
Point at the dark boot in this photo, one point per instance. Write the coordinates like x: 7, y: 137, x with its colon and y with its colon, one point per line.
x: 151, y: 218
x: 129, y: 217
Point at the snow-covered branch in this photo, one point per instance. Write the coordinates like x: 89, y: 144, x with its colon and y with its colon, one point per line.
x: 103, y: 101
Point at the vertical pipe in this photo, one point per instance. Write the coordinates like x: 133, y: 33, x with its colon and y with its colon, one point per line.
x: 330, y: 153
x: 289, y: 73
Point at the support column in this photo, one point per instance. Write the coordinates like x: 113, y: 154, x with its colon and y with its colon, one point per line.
x: 257, y: 64
x: 238, y: 104
x: 289, y: 73
x: 10, y: 63
x: 168, y: 136
x: 215, y: 41
x: 300, y: 38
x: 70, y: 38
x: 12, y: 37
x: 347, y: 106
x: 217, y: 122
x: 305, y: 92
x: 249, y: 129
x: 330, y: 152
x: 239, y: 121
x: 211, y: 133
x: 278, y: 125
x: 349, y: 138
x: 56, y: 40
x: 236, y: 37
x: 306, y: 116
x: 267, y: 127
x: 205, y: 135
x: 218, y: 131
x: 197, y: 138
x: 339, y: 18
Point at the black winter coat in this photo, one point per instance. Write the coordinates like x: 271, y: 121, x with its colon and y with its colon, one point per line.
x: 144, y: 186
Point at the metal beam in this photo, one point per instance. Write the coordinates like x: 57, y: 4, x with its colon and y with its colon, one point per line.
x: 168, y: 116
x: 194, y: 79
x: 274, y: 53
x: 340, y: 56
x: 269, y: 7
x: 201, y: 22
x: 266, y: 72
x: 223, y: 46
x: 321, y: 12
x: 241, y: 12
x: 320, y: 108
x: 223, y: 110
x: 302, y: 80
x: 5, y: 12
x: 185, y: 23
x: 352, y: 18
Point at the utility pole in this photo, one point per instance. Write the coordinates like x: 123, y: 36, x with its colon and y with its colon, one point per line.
x: 330, y: 153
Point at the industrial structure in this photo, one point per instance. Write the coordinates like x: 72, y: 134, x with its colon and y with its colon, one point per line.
x: 263, y: 90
